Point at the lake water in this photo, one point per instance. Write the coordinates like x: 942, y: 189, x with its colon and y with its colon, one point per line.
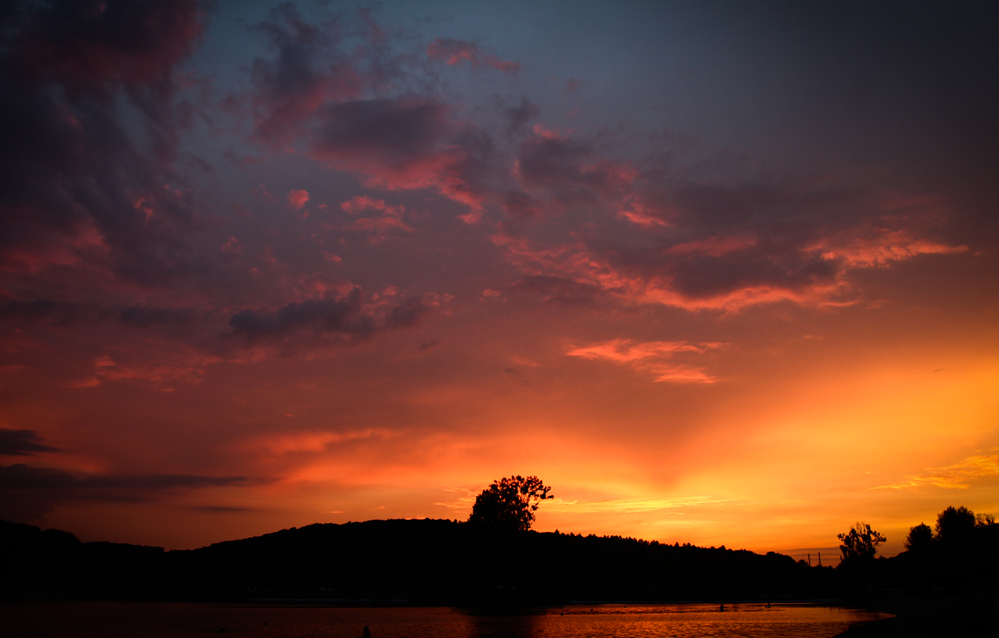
x: 174, y: 620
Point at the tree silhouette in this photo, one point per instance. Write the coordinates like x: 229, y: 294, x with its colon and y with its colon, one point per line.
x: 920, y: 538
x: 510, y: 503
x: 860, y: 542
x: 955, y: 525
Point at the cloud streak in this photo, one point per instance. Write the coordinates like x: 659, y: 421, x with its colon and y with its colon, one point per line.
x: 958, y: 476
x: 651, y: 357
x: 22, y: 443
x: 453, y: 52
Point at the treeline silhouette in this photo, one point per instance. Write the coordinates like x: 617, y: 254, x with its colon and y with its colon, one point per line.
x: 959, y: 555
x: 441, y: 562
x: 391, y: 561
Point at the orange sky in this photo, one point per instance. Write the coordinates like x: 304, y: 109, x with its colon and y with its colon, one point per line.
x: 278, y: 266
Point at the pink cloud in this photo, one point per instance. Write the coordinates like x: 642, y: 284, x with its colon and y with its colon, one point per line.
x: 232, y: 247
x: 639, y: 213
x: 298, y: 198
x: 361, y: 203
x: 158, y: 364
x: 389, y: 216
x: 882, y: 249
x: 453, y: 52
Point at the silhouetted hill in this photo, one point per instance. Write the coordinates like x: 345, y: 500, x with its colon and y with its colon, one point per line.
x: 51, y: 562
x: 421, y: 561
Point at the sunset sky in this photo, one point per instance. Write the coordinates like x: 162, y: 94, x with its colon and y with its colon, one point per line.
x: 717, y: 272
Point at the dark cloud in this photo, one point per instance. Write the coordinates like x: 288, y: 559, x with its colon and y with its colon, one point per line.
x: 560, y: 289
x: 751, y: 235
x: 714, y: 206
x: 348, y: 318
x: 394, y: 131
x: 93, y: 46
x: 48, y: 312
x: 407, y: 313
x: 796, y: 237
x: 770, y: 266
x: 319, y: 316
x: 28, y: 493
x: 155, y: 482
x: 553, y: 161
x: 407, y: 143
x: 43, y: 311
x: 22, y: 443
x: 146, y: 316
x: 572, y: 170
x: 396, y: 137
x: 471, y: 174
x: 307, y: 70
x: 222, y: 509
x: 74, y: 188
x: 520, y: 115
x: 26, y: 477
x: 519, y: 205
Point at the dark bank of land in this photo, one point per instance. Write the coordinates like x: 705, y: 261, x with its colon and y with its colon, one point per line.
x: 938, y: 615
x: 420, y: 562
x: 945, y: 586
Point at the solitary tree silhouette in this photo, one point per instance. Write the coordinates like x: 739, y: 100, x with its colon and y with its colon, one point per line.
x: 510, y: 503
x: 860, y: 542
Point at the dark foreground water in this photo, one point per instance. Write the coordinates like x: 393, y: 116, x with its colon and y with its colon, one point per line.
x: 170, y: 620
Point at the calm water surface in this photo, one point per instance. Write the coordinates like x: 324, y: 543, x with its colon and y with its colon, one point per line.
x: 170, y: 620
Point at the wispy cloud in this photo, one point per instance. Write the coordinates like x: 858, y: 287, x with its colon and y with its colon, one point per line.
x: 312, y: 441
x: 453, y: 52
x: 957, y: 476
x: 650, y: 356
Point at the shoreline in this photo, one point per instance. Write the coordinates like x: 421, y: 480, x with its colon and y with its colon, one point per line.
x: 946, y: 616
